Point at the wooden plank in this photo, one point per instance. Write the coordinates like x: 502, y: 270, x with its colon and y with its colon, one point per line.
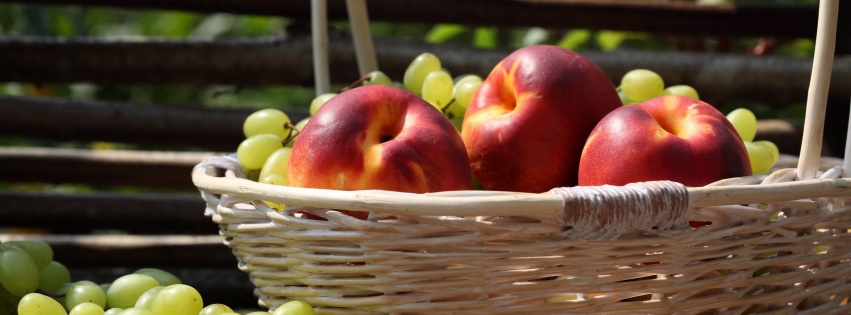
x: 156, y: 170
x: 135, y: 251
x: 658, y: 17
x: 82, y: 213
x: 179, y: 127
x: 719, y: 78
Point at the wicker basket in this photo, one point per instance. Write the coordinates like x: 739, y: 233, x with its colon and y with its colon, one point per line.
x: 777, y: 244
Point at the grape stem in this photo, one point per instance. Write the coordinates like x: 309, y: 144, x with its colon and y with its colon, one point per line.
x: 355, y: 84
x: 293, y: 133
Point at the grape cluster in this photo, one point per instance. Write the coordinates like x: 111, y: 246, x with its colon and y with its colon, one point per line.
x: 763, y: 154
x: 425, y: 77
x: 33, y: 283
x: 639, y: 85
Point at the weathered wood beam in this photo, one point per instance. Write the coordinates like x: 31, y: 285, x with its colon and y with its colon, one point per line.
x: 719, y: 78
x: 155, y: 170
x: 656, y: 17
x: 82, y: 213
x: 178, y: 127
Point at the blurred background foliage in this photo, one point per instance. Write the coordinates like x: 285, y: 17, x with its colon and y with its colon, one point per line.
x: 76, y: 21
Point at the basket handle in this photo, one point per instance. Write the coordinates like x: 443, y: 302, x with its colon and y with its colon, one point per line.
x: 819, y: 86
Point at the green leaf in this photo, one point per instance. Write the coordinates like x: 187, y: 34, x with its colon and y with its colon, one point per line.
x: 575, y: 39
x: 610, y: 40
x: 485, y: 37
x: 442, y: 32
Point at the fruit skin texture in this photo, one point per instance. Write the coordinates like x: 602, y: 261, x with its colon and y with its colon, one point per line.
x: 379, y: 137
x: 525, y: 126
x: 665, y: 138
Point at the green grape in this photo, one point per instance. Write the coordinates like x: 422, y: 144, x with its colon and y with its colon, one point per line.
x: 18, y: 271
x: 258, y: 313
x: 640, y: 85
x: 299, y: 126
x: 276, y: 163
x: 624, y: 100
x: 378, y: 77
x: 40, y: 251
x: 215, y: 309
x: 84, y: 291
x: 745, y: 123
x: 114, y: 311
x: 760, y: 158
x: 462, y: 93
x: 177, y: 299
x: 136, y: 311
x: 164, y: 278
x: 148, y: 297
x: 319, y: 101
x: 682, y: 89
x: 252, y: 152
x: 86, y: 308
x: 294, y: 308
x: 437, y: 89
x: 771, y: 147
x: 125, y: 290
x: 417, y: 71
x: 39, y: 304
x: 54, y: 275
x: 267, y: 120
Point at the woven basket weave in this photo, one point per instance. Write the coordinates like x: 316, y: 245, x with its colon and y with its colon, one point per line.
x: 775, y: 244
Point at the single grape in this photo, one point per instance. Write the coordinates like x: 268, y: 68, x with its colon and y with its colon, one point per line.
x: 252, y: 152
x: 745, y: 123
x: 40, y: 251
x: 298, y: 127
x: 640, y: 85
x: 378, y: 77
x: 294, y: 308
x: 39, y: 304
x: 417, y: 71
x: 84, y: 291
x: 215, y: 309
x: 145, y: 300
x: 54, y: 275
x: 86, y: 308
x: 177, y: 299
x: 276, y: 163
x: 267, y: 120
x: 771, y: 148
x: 114, y: 311
x: 319, y: 101
x: 682, y: 89
x: 18, y: 271
x: 258, y: 313
x: 125, y: 290
x: 624, y: 100
x: 462, y: 93
x: 164, y: 278
x: 437, y: 89
x: 760, y: 158
x: 136, y: 311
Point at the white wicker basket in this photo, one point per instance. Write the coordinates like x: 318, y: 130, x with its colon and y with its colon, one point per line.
x: 777, y: 244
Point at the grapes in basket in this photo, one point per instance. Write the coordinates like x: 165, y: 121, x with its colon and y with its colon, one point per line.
x: 33, y: 283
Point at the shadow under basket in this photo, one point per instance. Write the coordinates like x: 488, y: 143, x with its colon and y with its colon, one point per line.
x: 753, y: 245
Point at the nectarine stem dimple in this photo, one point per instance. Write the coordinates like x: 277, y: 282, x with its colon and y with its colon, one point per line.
x: 385, y: 138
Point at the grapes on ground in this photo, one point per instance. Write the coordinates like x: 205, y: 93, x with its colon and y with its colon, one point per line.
x: 294, y: 308
x: 18, y: 271
x: 39, y: 304
x: 164, y: 278
x: 86, y: 308
x: 125, y: 290
x: 82, y: 292
x: 52, y: 276
x: 177, y: 299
